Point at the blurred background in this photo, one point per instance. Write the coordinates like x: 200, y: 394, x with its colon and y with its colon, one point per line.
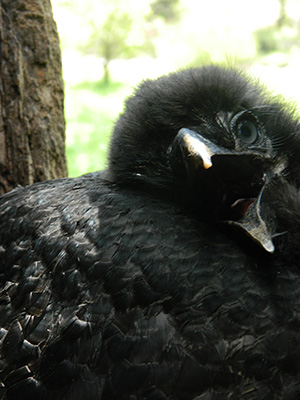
x: 109, y: 46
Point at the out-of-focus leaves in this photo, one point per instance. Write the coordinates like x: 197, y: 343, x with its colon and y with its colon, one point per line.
x: 282, y: 36
x: 111, y: 41
x: 168, y: 10
x: 278, y: 37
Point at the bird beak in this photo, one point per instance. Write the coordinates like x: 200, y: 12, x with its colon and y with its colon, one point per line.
x: 254, y: 226
x: 196, y: 153
x: 199, y: 149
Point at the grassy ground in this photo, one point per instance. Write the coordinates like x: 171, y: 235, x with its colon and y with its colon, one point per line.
x: 88, y: 129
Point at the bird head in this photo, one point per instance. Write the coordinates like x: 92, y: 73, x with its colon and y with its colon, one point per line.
x: 211, y: 140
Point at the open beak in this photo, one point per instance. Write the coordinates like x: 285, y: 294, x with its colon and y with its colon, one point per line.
x: 254, y: 226
x: 212, y: 166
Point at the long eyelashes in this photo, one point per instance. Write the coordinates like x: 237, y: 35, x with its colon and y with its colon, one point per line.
x: 270, y: 117
x: 273, y: 116
x: 278, y: 141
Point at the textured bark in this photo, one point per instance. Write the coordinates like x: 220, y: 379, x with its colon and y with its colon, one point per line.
x: 32, y: 126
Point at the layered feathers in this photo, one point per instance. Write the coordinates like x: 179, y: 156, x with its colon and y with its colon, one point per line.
x: 115, y: 285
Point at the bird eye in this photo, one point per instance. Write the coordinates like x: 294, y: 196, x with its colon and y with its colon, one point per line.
x: 247, y: 132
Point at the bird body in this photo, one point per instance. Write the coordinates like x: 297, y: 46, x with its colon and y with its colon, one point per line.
x: 152, y: 279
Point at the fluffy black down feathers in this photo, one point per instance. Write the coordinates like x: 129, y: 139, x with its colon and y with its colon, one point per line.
x: 175, y: 273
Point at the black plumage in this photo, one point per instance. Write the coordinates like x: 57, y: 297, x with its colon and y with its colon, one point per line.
x: 174, y: 274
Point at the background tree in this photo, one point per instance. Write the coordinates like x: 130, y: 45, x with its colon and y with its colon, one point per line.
x: 283, y: 36
x: 125, y: 33
x: 32, y: 138
x: 111, y: 41
x: 283, y: 18
x: 168, y: 10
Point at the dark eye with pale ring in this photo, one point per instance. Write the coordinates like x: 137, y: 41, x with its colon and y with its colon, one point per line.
x: 247, y: 131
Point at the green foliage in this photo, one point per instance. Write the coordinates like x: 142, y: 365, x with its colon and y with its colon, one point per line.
x: 281, y: 36
x: 88, y: 151
x: 99, y: 88
x: 88, y: 130
x: 168, y: 10
x: 111, y: 41
x: 277, y: 38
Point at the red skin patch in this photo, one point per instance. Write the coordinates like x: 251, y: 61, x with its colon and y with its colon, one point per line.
x: 241, y: 206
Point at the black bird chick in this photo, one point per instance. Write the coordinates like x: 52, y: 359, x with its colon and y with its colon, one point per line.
x: 174, y: 274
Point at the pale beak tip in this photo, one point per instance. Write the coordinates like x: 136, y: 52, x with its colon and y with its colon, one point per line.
x: 199, y: 149
x: 207, y: 164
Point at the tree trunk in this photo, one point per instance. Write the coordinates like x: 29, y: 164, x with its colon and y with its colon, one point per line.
x: 106, y: 74
x: 32, y: 126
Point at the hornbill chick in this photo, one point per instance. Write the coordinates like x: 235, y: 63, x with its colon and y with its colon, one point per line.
x: 173, y: 274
